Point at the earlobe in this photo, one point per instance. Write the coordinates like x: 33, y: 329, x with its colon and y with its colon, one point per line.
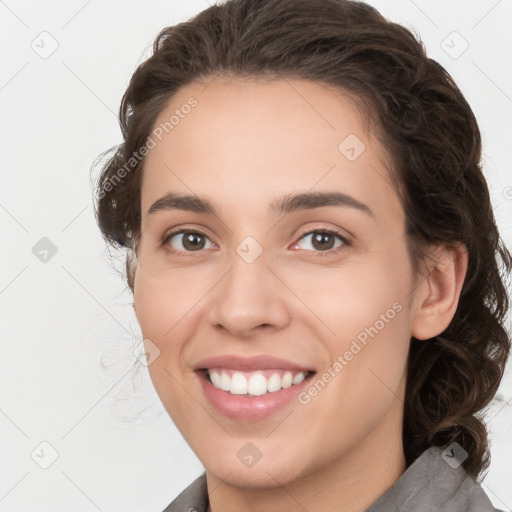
x: 438, y: 296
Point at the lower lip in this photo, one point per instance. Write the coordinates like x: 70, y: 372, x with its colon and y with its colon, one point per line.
x: 249, y: 407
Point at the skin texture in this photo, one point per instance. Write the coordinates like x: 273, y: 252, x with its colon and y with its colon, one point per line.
x: 245, y: 144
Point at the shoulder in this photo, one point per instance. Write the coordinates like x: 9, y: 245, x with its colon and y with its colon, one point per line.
x: 193, y: 498
x: 461, y: 491
x: 435, y: 481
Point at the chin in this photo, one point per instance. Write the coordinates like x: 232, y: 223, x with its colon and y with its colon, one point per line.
x: 260, y: 476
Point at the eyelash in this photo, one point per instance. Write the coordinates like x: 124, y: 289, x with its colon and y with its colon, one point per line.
x: 168, y: 235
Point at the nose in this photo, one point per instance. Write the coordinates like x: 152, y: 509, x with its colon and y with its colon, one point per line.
x: 249, y: 298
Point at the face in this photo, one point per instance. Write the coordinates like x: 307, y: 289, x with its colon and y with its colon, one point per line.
x: 310, y: 300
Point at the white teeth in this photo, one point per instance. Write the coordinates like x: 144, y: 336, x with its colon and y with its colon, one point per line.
x: 287, y: 380
x: 299, y: 377
x: 274, y: 383
x: 256, y: 385
x: 238, y: 384
x: 216, y: 379
x: 225, y: 382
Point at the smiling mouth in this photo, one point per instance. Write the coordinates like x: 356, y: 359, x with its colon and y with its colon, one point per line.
x: 254, y: 383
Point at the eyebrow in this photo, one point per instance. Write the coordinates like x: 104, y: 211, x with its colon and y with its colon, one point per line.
x: 286, y: 204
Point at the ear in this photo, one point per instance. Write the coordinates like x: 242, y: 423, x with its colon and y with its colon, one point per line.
x: 131, y: 268
x: 437, y: 297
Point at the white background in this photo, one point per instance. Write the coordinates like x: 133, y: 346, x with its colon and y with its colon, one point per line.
x: 67, y: 326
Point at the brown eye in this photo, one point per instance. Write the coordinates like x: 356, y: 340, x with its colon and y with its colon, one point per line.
x: 186, y: 241
x: 324, y: 240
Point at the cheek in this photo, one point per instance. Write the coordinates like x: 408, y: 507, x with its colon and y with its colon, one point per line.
x: 161, y: 312
x: 363, y: 383
x: 363, y: 307
x: 165, y: 299
x: 152, y: 310
x: 158, y: 316
x: 169, y: 309
x: 371, y: 384
x: 352, y: 296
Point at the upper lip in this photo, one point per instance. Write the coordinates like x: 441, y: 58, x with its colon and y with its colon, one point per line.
x: 262, y: 362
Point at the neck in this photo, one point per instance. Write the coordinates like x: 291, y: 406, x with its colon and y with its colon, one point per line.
x: 350, y: 483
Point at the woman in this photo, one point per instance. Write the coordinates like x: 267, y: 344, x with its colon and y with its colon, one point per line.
x: 313, y: 257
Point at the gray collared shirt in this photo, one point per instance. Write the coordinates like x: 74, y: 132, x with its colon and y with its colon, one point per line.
x: 429, y: 484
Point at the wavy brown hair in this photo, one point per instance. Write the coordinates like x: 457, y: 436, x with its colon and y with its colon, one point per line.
x: 434, y: 143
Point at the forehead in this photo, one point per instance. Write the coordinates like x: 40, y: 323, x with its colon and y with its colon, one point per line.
x: 253, y: 140
x: 239, y: 119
